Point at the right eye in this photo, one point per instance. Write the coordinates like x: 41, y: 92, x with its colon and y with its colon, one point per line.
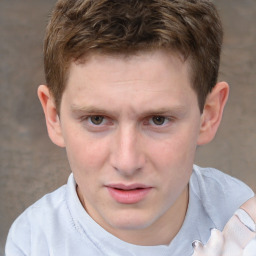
x: 96, y: 120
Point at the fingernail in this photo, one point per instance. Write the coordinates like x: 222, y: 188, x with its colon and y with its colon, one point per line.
x: 246, y: 219
x: 196, y: 244
x: 214, y: 231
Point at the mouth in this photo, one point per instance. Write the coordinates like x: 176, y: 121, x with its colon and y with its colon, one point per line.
x: 128, y: 194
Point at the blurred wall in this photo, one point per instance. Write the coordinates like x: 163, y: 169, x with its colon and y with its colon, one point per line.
x: 30, y: 165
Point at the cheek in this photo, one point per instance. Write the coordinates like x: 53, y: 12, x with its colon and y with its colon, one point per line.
x: 86, y: 160
x: 178, y: 150
x: 173, y: 160
x: 85, y: 154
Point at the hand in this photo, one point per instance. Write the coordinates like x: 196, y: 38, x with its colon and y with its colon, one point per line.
x: 238, y: 237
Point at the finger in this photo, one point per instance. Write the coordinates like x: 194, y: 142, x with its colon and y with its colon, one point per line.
x: 250, y: 249
x: 214, y: 246
x: 198, y: 248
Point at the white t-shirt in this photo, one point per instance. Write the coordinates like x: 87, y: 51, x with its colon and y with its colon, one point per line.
x: 58, y: 225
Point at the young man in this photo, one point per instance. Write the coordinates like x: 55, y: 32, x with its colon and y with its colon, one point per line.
x: 131, y: 92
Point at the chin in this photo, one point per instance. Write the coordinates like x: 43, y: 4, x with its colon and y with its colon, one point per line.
x: 131, y: 221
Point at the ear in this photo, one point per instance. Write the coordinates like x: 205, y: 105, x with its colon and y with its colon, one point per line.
x: 212, y: 113
x: 51, y: 116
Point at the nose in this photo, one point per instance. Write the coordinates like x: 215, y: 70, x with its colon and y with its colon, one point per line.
x: 127, y: 155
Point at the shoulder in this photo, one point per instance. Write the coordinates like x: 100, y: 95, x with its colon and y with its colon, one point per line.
x: 48, y: 205
x: 213, y: 180
x: 220, y: 194
x: 34, y: 220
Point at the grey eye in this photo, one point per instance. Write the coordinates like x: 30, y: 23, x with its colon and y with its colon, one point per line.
x: 158, y: 120
x: 96, y: 120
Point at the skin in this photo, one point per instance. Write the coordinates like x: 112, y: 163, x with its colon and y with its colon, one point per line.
x: 238, y: 237
x: 133, y: 120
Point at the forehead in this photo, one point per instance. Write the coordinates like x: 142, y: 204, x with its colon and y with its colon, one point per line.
x: 160, y: 60
x: 142, y: 76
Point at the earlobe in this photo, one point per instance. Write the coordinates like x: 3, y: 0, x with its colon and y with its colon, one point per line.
x: 212, y: 113
x: 51, y: 116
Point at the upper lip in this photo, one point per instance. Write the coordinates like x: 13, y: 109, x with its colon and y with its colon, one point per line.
x: 127, y: 187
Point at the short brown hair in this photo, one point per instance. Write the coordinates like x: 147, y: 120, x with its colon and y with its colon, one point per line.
x: 189, y: 27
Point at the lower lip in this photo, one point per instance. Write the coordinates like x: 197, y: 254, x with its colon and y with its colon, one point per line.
x: 128, y: 196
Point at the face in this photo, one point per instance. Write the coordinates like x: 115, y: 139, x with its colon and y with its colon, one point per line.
x: 130, y: 126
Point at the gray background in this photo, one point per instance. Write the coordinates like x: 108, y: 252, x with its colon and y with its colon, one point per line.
x: 30, y: 165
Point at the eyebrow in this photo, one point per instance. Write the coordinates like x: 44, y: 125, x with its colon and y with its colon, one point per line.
x: 177, y: 111
x: 87, y: 109
x: 96, y: 110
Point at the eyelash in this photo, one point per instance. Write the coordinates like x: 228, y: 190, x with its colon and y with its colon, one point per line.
x: 165, y: 121
x: 102, y: 119
x: 147, y: 121
x: 89, y: 117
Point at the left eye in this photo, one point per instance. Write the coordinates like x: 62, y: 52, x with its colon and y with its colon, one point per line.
x: 96, y: 120
x: 158, y: 120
